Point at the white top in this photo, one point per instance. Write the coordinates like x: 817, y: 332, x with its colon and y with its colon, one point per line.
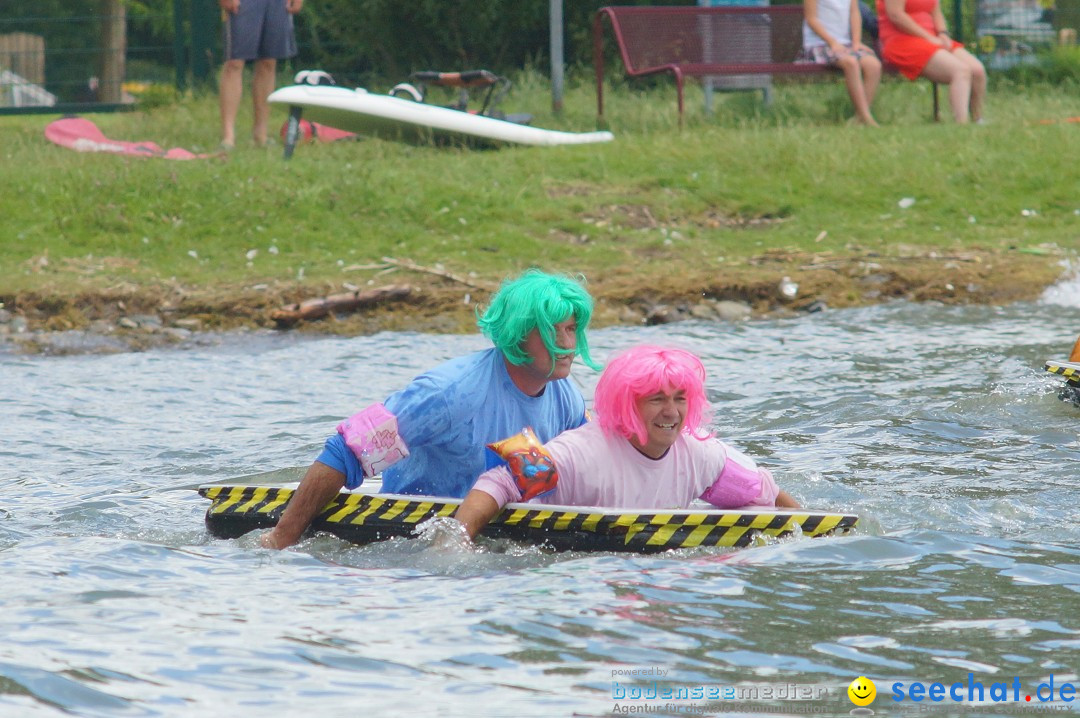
x: 600, y: 470
x: 835, y: 15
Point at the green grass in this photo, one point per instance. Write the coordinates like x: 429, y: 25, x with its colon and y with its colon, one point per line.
x: 732, y: 185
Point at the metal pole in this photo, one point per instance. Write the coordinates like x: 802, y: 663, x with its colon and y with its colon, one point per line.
x: 114, y: 53
x: 205, y: 16
x: 179, y: 43
x: 556, y: 13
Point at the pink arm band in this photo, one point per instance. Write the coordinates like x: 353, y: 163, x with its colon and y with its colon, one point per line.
x: 741, y: 483
x: 372, y: 435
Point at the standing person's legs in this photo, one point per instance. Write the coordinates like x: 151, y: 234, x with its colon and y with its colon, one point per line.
x: 277, y: 41
x: 230, y: 91
x: 947, y: 68
x: 262, y: 84
x: 978, y: 81
x: 242, y: 29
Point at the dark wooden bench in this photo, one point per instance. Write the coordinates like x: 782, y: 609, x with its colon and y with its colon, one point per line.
x: 709, y: 42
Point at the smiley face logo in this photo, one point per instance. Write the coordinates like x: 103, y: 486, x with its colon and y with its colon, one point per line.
x: 862, y: 691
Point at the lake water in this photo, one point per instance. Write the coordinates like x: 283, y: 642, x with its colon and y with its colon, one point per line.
x: 937, y: 424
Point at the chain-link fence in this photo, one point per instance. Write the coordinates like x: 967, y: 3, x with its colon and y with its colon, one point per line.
x: 68, y: 55
x: 1013, y: 32
x: 59, y: 55
x: 98, y: 55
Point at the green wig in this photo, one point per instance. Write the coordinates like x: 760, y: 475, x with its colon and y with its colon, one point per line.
x: 537, y: 300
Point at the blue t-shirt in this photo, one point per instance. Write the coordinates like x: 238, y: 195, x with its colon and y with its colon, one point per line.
x: 448, y: 415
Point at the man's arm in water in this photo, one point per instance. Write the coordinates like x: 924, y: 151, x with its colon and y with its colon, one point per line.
x: 319, y: 485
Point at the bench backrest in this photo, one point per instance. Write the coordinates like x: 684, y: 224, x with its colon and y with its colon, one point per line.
x: 694, y: 38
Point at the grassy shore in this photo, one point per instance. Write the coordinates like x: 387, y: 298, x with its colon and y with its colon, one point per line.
x: 725, y: 207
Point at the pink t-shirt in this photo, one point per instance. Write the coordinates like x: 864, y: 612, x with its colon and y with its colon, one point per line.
x: 600, y: 470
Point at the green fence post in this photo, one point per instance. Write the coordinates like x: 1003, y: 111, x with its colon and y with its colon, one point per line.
x: 958, y: 21
x: 204, y: 23
x: 179, y: 44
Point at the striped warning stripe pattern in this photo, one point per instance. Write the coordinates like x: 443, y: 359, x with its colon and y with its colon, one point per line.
x: 635, y: 531
x: 678, y: 530
x: 1069, y: 370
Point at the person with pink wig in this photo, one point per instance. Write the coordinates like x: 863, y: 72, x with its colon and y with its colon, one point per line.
x: 646, y: 450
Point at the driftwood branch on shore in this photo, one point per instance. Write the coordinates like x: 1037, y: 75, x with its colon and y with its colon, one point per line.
x: 318, y: 308
x: 407, y: 264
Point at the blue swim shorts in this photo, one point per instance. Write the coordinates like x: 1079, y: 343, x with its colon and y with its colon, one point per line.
x: 260, y: 30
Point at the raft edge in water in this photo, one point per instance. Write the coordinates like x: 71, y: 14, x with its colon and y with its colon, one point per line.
x: 1069, y: 370
x: 365, y: 516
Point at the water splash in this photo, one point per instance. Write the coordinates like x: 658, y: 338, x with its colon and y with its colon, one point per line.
x: 1065, y: 293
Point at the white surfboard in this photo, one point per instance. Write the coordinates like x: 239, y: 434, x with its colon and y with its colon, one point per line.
x: 394, y: 118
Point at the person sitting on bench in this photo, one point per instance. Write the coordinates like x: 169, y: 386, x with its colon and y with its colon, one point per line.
x: 832, y: 35
x: 914, y: 38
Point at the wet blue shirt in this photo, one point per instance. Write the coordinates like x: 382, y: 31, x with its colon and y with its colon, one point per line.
x: 448, y: 415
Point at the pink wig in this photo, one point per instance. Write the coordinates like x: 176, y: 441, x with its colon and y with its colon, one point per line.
x: 642, y: 371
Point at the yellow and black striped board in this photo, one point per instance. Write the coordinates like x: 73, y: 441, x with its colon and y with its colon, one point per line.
x: 1070, y: 390
x: 1068, y: 369
x: 366, y: 517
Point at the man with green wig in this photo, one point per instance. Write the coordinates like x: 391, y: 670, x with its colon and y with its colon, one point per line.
x: 430, y: 438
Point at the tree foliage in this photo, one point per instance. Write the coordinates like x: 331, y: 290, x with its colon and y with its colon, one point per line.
x: 387, y: 39
x: 369, y: 41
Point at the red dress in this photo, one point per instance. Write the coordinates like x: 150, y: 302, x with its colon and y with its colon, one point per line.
x: 909, y: 53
